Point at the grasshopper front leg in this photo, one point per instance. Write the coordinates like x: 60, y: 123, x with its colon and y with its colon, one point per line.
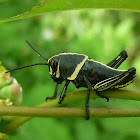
x: 55, y: 93
x: 63, y: 92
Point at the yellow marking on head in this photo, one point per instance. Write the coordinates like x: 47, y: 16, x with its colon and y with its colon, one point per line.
x: 50, y: 71
x: 57, y: 72
x: 77, y: 69
x: 118, y: 57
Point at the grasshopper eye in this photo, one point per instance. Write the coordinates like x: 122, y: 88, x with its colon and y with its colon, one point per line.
x: 53, y: 65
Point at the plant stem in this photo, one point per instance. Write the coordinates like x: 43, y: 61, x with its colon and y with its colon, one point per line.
x: 71, y: 112
x: 68, y: 112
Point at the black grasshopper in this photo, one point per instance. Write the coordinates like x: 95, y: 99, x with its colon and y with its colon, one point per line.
x: 85, y: 72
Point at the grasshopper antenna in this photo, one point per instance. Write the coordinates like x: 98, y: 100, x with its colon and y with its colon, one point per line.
x: 26, y: 66
x: 37, y: 51
x: 32, y: 64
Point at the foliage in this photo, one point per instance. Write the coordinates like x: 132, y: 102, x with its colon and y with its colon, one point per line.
x: 52, y: 6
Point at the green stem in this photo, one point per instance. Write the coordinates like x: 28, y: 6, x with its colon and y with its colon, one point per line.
x: 71, y: 97
x: 68, y: 112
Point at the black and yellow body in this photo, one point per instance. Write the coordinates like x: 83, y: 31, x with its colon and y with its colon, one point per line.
x: 83, y: 71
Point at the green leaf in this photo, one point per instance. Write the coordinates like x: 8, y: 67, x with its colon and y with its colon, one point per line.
x: 63, y: 5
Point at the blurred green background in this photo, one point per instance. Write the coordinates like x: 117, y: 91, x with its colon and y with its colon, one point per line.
x: 100, y: 34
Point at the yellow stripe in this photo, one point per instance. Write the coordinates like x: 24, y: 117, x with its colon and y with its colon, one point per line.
x: 57, y: 72
x: 65, y: 54
x: 52, y: 57
x: 50, y: 71
x: 77, y: 69
x: 106, y: 80
x: 70, y: 54
x: 105, y: 65
x: 123, y: 85
x: 113, y: 83
x: 118, y: 57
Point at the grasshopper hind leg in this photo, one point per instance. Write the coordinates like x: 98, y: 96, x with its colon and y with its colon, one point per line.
x: 87, y: 98
x: 116, y: 81
x: 101, y: 95
x: 117, y: 61
x: 126, y: 81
